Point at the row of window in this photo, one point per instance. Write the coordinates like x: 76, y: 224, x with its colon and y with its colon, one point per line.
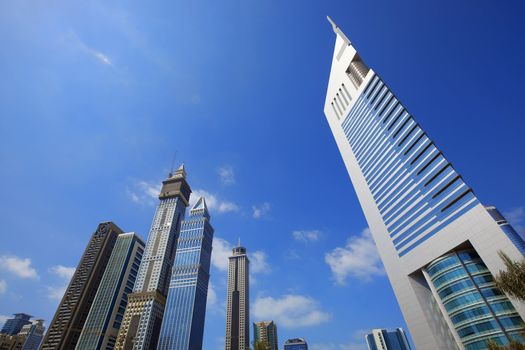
x: 417, y: 191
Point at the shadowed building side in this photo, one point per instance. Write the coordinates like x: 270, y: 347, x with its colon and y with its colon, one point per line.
x: 69, y: 319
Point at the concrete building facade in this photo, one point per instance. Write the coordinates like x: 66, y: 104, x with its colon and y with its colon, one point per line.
x: 438, y: 243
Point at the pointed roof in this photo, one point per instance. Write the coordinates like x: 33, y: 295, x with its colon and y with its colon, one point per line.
x: 201, y: 204
x: 179, y: 173
x: 338, y: 31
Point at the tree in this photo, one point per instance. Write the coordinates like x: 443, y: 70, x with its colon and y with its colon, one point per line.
x: 261, y: 345
x: 514, y: 345
x: 512, y: 281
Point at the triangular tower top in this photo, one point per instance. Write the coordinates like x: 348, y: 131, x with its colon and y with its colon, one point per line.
x: 201, y: 204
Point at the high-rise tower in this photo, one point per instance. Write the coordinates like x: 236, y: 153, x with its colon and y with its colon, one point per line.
x: 381, y: 339
x: 105, y: 316
x: 238, y: 309
x: 143, y: 318
x: 183, y: 323
x: 438, y: 243
x: 265, y: 332
x: 64, y: 330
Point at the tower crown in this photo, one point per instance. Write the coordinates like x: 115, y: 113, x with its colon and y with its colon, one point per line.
x: 200, y: 208
x: 176, y: 186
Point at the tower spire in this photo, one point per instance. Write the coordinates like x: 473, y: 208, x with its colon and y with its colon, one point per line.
x: 338, y: 31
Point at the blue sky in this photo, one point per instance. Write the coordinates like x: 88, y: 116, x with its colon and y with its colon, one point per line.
x: 95, y: 97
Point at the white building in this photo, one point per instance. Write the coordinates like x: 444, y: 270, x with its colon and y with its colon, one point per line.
x: 438, y: 243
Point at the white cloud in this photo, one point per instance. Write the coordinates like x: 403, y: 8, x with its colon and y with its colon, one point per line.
x: 358, y: 259
x: 516, y: 217
x: 222, y: 249
x: 306, y: 235
x: 261, y: 210
x: 144, y: 192
x: 290, y: 311
x: 212, y: 296
x: 213, y: 202
x: 226, y: 175
x: 56, y: 293
x: 259, y: 262
x: 64, y: 272
x: 3, y: 286
x: 20, y: 267
x: 78, y: 43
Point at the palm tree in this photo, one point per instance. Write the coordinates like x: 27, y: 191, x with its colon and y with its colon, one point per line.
x: 512, y: 281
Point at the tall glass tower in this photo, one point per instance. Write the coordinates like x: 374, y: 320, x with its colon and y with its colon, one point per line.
x: 143, y: 317
x: 183, y: 323
x: 438, y: 243
x: 238, y: 308
x: 105, y: 316
x: 381, y: 339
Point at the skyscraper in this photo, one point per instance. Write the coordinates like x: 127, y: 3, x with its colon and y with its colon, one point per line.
x: 183, y: 323
x: 33, y: 334
x: 64, y: 330
x: 266, y: 332
x: 381, y: 339
x: 438, y: 243
x: 13, y: 325
x: 296, y: 344
x: 237, y: 311
x: 143, y: 317
x: 106, y: 314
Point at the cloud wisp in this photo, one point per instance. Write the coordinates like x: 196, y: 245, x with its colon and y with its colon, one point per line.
x: 358, y: 259
x: 226, y: 175
x: 3, y: 286
x: 17, y: 266
x: 306, y: 236
x: 259, y: 211
x: 290, y: 310
x: 65, y: 273
x: 101, y: 57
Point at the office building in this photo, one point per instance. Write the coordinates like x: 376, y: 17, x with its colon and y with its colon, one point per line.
x: 238, y: 307
x: 381, y: 339
x: 265, y: 332
x: 69, y: 319
x: 33, y: 334
x: 28, y: 338
x: 143, y: 317
x: 107, y: 311
x: 183, y: 323
x: 438, y: 243
x: 296, y: 344
x: 13, y: 325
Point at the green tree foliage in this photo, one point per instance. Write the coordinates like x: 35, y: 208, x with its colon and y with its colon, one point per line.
x: 512, y: 281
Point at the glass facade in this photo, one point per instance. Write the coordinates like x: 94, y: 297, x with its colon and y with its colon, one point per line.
x: 106, y: 313
x: 476, y: 308
x: 417, y: 191
x: 381, y: 339
x: 296, y: 344
x: 183, y: 323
